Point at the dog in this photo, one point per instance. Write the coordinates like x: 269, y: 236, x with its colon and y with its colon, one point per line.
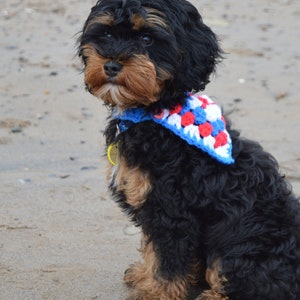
x: 214, y: 210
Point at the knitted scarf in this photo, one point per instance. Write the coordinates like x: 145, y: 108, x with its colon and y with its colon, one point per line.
x: 199, y: 122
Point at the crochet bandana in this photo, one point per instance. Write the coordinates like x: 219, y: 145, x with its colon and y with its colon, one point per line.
x: 199, y: 122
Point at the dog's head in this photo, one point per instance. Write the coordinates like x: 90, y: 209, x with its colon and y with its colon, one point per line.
x: 141, y: 52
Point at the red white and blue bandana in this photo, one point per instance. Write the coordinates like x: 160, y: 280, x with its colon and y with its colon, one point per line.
x: 199, y: 122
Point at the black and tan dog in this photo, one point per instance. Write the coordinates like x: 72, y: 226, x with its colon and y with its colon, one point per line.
x: 213, y: 208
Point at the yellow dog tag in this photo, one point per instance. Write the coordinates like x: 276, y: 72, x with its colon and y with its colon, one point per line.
x: 112, y: 153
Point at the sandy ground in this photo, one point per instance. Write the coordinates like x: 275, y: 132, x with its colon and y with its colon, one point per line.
x: 61, y: 237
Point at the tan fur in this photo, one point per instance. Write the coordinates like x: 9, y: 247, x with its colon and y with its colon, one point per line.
x: 105, y: 19
x: 137, y: 83
x: 216, y: 282
x: 155, y: 18
x: 212, y: 295
x: 93, y: 72
x: 146, y: 282
x: 138, y: 22
x: 133, y: 182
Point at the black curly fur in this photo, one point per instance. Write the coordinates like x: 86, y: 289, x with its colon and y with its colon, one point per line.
x: 199, y: 210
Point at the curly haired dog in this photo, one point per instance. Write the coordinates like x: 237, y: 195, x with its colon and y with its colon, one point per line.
x: 213, y: 208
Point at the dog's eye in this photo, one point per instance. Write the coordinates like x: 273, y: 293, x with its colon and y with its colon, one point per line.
x: 107, y: 34
x: 146, y: 40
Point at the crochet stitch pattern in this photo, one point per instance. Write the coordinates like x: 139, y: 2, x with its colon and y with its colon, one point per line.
x: 199, y: 122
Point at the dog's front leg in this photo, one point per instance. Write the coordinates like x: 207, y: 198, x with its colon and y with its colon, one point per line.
x: 147, y: 283
x: 156, y: 277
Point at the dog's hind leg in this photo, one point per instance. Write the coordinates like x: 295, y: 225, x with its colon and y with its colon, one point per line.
x: 270, y: 278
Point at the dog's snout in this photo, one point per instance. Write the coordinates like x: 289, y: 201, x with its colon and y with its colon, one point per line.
x: 112, y: 68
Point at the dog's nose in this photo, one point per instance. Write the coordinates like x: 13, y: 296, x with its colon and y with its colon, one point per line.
x: 112, y: 68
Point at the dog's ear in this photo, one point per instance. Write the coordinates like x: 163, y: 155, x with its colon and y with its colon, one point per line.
x: 199, y: 48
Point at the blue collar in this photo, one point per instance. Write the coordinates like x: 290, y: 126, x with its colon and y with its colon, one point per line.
x: 199, y: 122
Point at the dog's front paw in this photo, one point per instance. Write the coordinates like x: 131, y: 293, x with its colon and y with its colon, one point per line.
x: 131, y: 276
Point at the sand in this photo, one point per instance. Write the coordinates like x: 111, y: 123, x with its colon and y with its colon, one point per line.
x: 61, y: 236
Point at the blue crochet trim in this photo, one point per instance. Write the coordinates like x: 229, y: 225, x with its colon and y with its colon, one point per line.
x: 200, y: 123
